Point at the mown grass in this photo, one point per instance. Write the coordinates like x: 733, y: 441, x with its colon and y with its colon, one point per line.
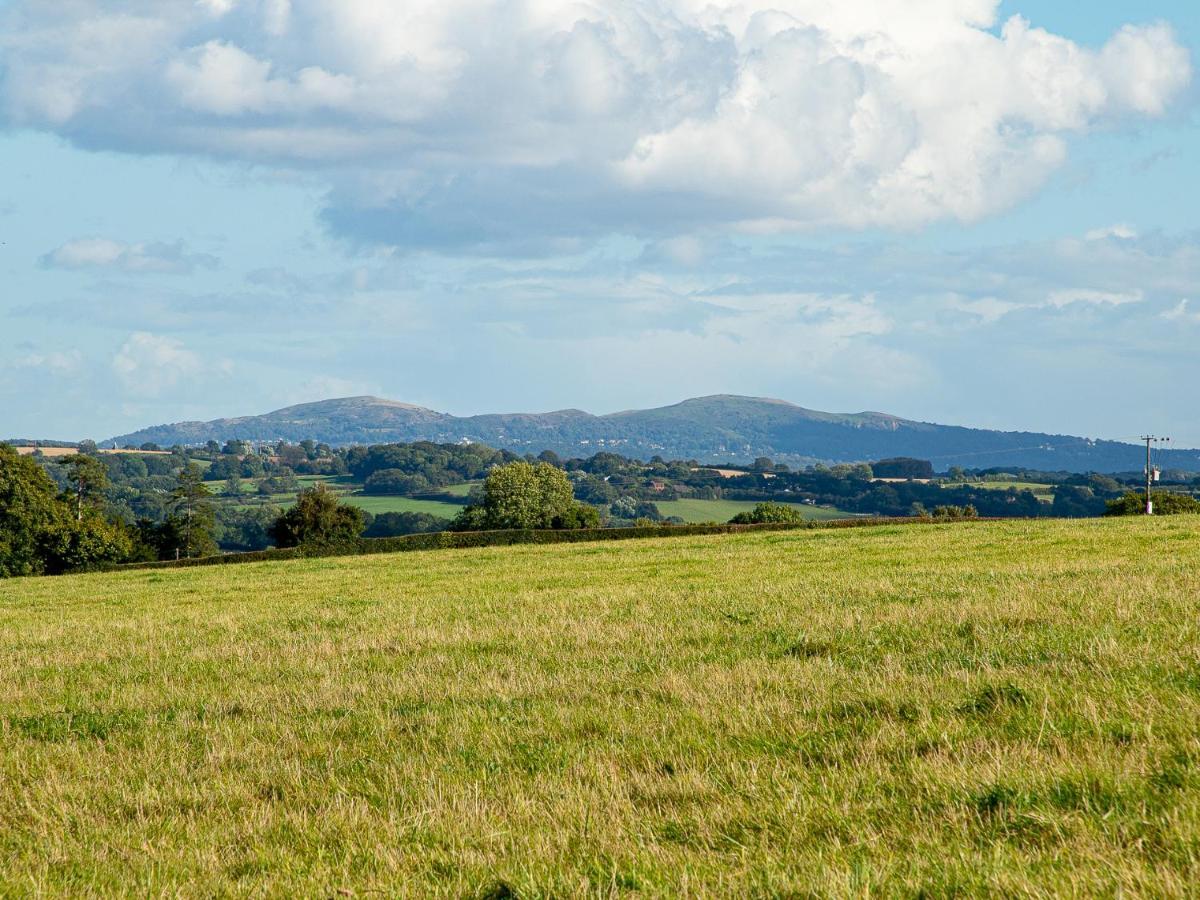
x: 1005, y: 709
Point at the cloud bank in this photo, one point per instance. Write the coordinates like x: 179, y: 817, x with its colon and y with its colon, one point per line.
x: 527, y: 126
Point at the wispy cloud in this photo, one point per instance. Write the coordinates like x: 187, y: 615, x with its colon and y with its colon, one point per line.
x: 147, y: 258
x: 151, y: 364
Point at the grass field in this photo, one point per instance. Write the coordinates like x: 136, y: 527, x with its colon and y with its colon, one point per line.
x: 988, y: 708
x: 1042, y: 491
x: 724, y: 510
x: 376, y: 505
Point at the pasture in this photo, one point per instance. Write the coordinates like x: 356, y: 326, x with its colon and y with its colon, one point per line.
x: 987, y: 708
x: 691, y: 510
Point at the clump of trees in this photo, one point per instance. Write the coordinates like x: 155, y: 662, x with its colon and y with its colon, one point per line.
x: 1165, y: 504
x: 902, y: 467
x: 524, y: 495
x: 46, y: 531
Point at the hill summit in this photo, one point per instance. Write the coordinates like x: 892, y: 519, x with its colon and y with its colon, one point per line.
x: 722, y: 427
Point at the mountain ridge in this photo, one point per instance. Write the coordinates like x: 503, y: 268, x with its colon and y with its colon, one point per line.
x: 718, y: 427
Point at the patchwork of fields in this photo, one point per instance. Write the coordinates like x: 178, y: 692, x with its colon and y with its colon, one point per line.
x: 1003, y: 708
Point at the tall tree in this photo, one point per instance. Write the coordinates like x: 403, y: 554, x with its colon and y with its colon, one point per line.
x: 192, y: 508
x: 88, y: 478
x: 28, y: 507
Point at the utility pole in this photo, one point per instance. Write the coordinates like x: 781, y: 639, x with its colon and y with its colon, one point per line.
x: 1150, y: 439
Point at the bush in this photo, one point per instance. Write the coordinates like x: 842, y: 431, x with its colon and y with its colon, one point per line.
x: 769, y: 512
x: 319, y: 522
x: 956, y: 512
x: 1165, y: 504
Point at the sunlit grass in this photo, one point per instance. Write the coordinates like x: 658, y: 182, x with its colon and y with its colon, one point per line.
x: 1006, y: 708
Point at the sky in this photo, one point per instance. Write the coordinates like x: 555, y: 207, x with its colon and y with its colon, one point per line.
x: 962, y: 211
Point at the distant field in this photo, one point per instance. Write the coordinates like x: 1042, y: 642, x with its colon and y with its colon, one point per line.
x: 1042, y: 491
x: 724, y: 510
x: 1002, y: 709
x: 460, y: 490
x: 376, y: 505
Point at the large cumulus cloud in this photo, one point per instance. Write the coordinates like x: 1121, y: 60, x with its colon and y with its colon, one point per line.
x: 489, y: 123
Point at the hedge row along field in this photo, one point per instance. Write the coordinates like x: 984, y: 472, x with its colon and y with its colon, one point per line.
x: 1001, y: 709
x: 460, y: 540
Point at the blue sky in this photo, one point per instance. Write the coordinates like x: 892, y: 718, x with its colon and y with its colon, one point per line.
x: 929, y: 208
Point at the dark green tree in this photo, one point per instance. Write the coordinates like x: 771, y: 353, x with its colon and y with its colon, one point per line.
x: 319, y: 521
x: 88, y: 479
x: 192, y: 511
x: 29, y: 508
x: 40, y: 533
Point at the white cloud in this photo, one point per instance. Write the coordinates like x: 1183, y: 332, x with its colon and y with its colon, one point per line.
x: 484, y: 122
x: 1120, y: 232
x: 1060, y: 299
x: 105, y: 253
x: 61, y: 363
x: 150, y: 364
x: 1181, y: 313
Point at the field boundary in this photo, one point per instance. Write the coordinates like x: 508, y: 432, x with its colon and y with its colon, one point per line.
x: 462, y: 540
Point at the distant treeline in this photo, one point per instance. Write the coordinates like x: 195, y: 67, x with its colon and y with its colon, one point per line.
x: 91, y: 508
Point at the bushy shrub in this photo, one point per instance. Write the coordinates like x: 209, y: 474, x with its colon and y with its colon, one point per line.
x: 319, y: 522
x: 769, y: 512
x: 1165, y: 504
x: 956, y: 512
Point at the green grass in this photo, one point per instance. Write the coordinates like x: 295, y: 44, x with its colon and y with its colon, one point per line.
x: 377, y: 505
x: 724, y: 510
x: 460, y: 490
x: 990, y: 708
x: 1042, y: 491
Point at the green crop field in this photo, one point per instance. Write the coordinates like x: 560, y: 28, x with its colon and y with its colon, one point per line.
x: 1008, y: 709
x: 724, y: 510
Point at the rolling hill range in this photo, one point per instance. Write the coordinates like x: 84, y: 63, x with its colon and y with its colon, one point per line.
x: 710, y: 429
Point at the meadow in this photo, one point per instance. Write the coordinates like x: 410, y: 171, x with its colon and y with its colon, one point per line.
x: 693, y: 510
x: 983, y: 708
x: 1040, y: 490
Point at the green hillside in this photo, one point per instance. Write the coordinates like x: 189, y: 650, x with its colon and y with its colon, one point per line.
x: 1000, y: 709
x: 710, y: 429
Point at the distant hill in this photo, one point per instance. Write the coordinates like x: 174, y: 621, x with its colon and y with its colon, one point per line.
x: 709, y: 429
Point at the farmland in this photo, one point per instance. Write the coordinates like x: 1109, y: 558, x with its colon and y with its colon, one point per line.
x: 723, y: 510
x: 690, y: 510
x: 989, y: 708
